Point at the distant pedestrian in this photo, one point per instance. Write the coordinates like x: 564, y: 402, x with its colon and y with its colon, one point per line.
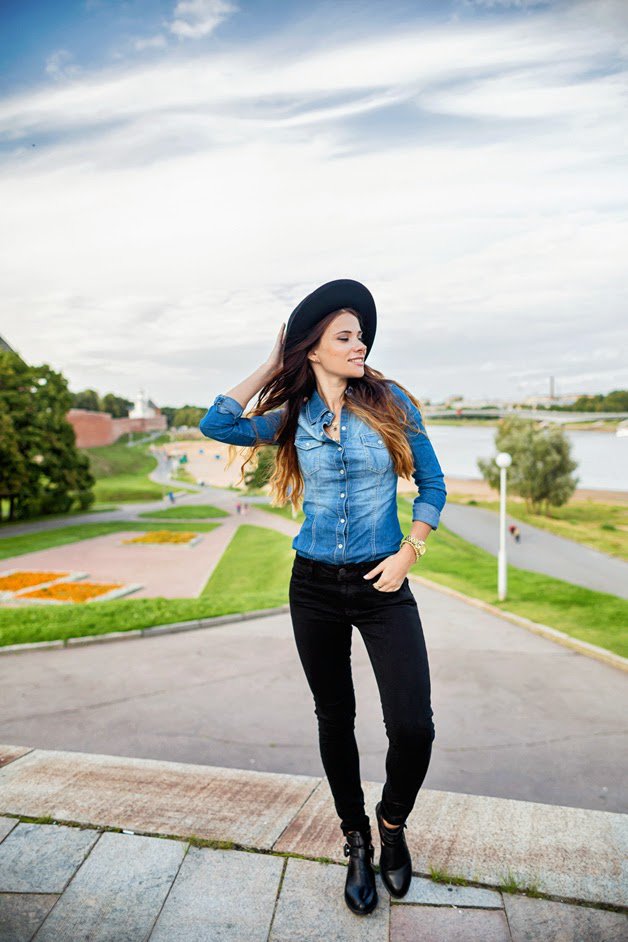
x: 238, y: 507
x: 171, y: 497
x: 515, y: 532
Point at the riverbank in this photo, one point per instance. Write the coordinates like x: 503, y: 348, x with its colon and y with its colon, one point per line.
x: 477, y: 487
x: 206, y: 462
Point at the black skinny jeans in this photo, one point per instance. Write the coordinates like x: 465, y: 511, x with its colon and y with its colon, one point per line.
x: 325, y: 602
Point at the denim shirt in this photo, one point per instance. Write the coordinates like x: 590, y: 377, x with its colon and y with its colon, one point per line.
x: 350, y: 486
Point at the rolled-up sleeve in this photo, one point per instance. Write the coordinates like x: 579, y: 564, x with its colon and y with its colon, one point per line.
x: 223, y: 422
x: 427, y: 475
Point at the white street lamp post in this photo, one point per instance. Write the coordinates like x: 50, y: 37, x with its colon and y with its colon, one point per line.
x: 503, y: 461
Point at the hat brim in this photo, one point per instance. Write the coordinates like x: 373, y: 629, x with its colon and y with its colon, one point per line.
x: 342, y: 292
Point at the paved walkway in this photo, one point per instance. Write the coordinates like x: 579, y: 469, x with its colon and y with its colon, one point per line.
x: 163, y: 570
x: 540, y: 551
x: 516, y: 715
x: 203, y: 852
x: 166, y: 570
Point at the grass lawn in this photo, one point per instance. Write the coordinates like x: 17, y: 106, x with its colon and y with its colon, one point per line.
x: 182, y: 474
x: 254, y: 573
x: 603, y: 527
x: 96, y: 508
x: 186, y: 512
x: 283, y: 512
x: 121, y: 473
x: 128, y: 487
x: 46, y: 539
x: 596, y: 617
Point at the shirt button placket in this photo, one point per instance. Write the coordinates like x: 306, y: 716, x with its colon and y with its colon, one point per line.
x: 342, y: 471
x: 342, y: 519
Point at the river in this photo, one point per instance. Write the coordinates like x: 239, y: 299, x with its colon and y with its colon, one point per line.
x: 602, y: 456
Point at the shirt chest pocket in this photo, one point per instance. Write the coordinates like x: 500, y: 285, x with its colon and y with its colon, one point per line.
x: 376, y: 456
x: 309, y: 451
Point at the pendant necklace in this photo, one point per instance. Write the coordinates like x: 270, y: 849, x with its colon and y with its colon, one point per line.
x: 334, y: 426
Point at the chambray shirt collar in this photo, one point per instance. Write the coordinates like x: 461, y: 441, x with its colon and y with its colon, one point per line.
x: 317, y: 407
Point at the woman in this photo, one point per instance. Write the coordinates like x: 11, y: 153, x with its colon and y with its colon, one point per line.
x: 345, y: 434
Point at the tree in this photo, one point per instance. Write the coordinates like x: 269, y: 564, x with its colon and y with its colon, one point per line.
x: 541, y: 469
x: 54, y: 473
x: 17, y: 405
x: 116, y: 406
x: 64, y: 471
x: 188, y: 415
x: 12, y: 466
x: 87, y: 399
x: 169, y: 412
x: 260, y: 475
x: 615, y: 401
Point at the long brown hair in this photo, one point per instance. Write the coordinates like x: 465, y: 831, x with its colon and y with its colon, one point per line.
x: 371, y: 400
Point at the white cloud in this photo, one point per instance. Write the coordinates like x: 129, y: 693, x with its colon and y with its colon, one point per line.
x: 453, y: 71
x: 530, y: 93
x: 150, y: 42
x: 519, y: 4
x: 194, y: 19
x: 60, y: 66
x: 172, y: 215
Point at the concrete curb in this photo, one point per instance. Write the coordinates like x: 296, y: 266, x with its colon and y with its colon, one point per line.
x: 572, y: 855
x: 552, y: 634
x: 144, y: 632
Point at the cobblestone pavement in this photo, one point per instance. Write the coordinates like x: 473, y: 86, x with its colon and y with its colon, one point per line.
x: 127, y: 850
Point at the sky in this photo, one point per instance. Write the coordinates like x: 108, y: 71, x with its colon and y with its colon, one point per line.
x: 176, y: 176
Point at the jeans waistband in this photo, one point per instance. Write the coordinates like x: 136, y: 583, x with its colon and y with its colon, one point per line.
x: 316, y: 567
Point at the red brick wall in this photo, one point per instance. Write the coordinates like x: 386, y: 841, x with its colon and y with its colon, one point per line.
x: 157, y: 424
x: 93, y: 429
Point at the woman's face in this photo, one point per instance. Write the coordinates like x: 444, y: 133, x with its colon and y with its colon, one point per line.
x: 341, y: 350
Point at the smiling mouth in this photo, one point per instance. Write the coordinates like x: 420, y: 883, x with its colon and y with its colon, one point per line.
x: 357, y: 360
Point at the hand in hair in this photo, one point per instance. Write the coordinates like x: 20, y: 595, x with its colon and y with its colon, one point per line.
x: 275, y: 360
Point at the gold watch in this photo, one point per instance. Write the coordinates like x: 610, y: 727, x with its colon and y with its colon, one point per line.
x: 418, y: 546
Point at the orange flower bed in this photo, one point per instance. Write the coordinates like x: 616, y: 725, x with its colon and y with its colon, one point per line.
x: 164, y: 536
x: 22, y: 580
x: 72, y: 591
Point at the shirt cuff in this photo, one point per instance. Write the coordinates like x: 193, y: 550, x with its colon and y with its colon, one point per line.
x: 427, y: 513
x: 228, y: 404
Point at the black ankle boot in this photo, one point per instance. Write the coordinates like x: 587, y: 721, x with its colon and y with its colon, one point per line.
x: 395, y: 864
x: 360, y: 889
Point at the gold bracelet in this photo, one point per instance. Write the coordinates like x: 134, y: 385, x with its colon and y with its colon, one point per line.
x: 418, y: 546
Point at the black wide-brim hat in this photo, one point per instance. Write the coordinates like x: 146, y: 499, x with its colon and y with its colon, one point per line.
x: 343, y: 292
